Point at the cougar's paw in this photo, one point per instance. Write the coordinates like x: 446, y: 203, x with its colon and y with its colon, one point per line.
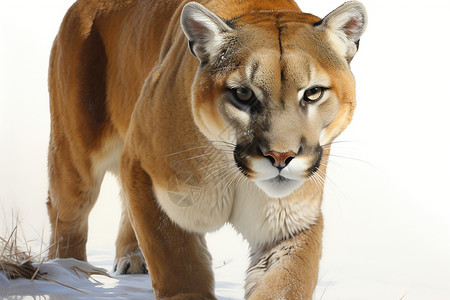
x: 130, y: 263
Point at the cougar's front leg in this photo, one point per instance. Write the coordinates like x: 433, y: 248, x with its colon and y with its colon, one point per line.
x: 129, y: 259
x: 287, y: 270
x: 178, y: 261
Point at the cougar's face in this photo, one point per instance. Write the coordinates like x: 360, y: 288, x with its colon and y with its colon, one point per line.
x: 279, y: 90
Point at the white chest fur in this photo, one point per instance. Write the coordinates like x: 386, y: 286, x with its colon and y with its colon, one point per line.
x: 257, y: 217
x: 261, y: 219
x: 198, y: 209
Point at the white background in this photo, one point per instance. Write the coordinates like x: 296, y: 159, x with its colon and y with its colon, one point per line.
x: 387, y: 202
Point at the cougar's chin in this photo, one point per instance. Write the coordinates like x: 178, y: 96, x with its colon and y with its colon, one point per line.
x: 278, y: 183
x: 278, y: 187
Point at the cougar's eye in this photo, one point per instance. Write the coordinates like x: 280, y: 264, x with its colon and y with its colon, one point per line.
x: 243, y: 98
x: 243, y: 94
x: 314, y: 94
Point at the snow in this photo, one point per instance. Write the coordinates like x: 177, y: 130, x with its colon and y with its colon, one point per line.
x: 387, y: 202
x: 72, y: 283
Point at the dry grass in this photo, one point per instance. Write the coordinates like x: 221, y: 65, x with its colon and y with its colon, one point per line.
x: 14, y: 262
x: 17, y: 263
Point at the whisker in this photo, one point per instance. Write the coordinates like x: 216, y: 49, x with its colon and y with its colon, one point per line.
x: 210, y: 142
x: 217, y: 163
x: 220, y: 170
x: 335, y: 189
x: 223, y: 142
x: 237, y: 173
x: 228, y: 173
x: 326, y: 177
x: 241, y: 180
x: 328, y: 161
x: 186, y: 150
x: 336, y: 142
x: 352, y: 158
x: 314, y: 180
x: 319, y: 178
x: 198, y: 156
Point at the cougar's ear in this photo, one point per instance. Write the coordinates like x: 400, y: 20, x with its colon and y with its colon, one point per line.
x: 204, y: 30
x: 345, y: 26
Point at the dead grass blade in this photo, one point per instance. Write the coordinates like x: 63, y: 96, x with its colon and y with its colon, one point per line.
x: 16, y: 263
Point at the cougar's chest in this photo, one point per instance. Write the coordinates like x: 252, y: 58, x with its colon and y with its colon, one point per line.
x: 202, y: 207
x: 261, y: 219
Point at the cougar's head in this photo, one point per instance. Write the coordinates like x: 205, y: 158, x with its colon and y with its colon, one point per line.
x: 275, y: 84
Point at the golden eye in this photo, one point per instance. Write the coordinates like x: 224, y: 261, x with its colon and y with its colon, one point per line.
x: 314, y: 94
x: 243, y: 94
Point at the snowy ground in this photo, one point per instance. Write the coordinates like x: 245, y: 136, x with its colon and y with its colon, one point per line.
x: 387, y: 210
x: 229, y: 266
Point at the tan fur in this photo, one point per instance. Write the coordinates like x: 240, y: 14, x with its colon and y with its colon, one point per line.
x: 123, y: 84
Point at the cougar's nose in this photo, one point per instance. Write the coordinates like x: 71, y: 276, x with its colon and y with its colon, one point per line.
x: 279, y: 159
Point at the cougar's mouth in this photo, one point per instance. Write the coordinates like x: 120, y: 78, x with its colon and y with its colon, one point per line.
x: 279, y: 179
x: 279, y: 186
x: 277, y: 182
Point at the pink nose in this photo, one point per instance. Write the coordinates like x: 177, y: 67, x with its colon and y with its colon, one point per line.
x: 280, y: 160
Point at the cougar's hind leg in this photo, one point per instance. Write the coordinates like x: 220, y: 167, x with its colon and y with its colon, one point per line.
x: 129, y: 258
x: 72, y: 194
x: 79, y: 126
